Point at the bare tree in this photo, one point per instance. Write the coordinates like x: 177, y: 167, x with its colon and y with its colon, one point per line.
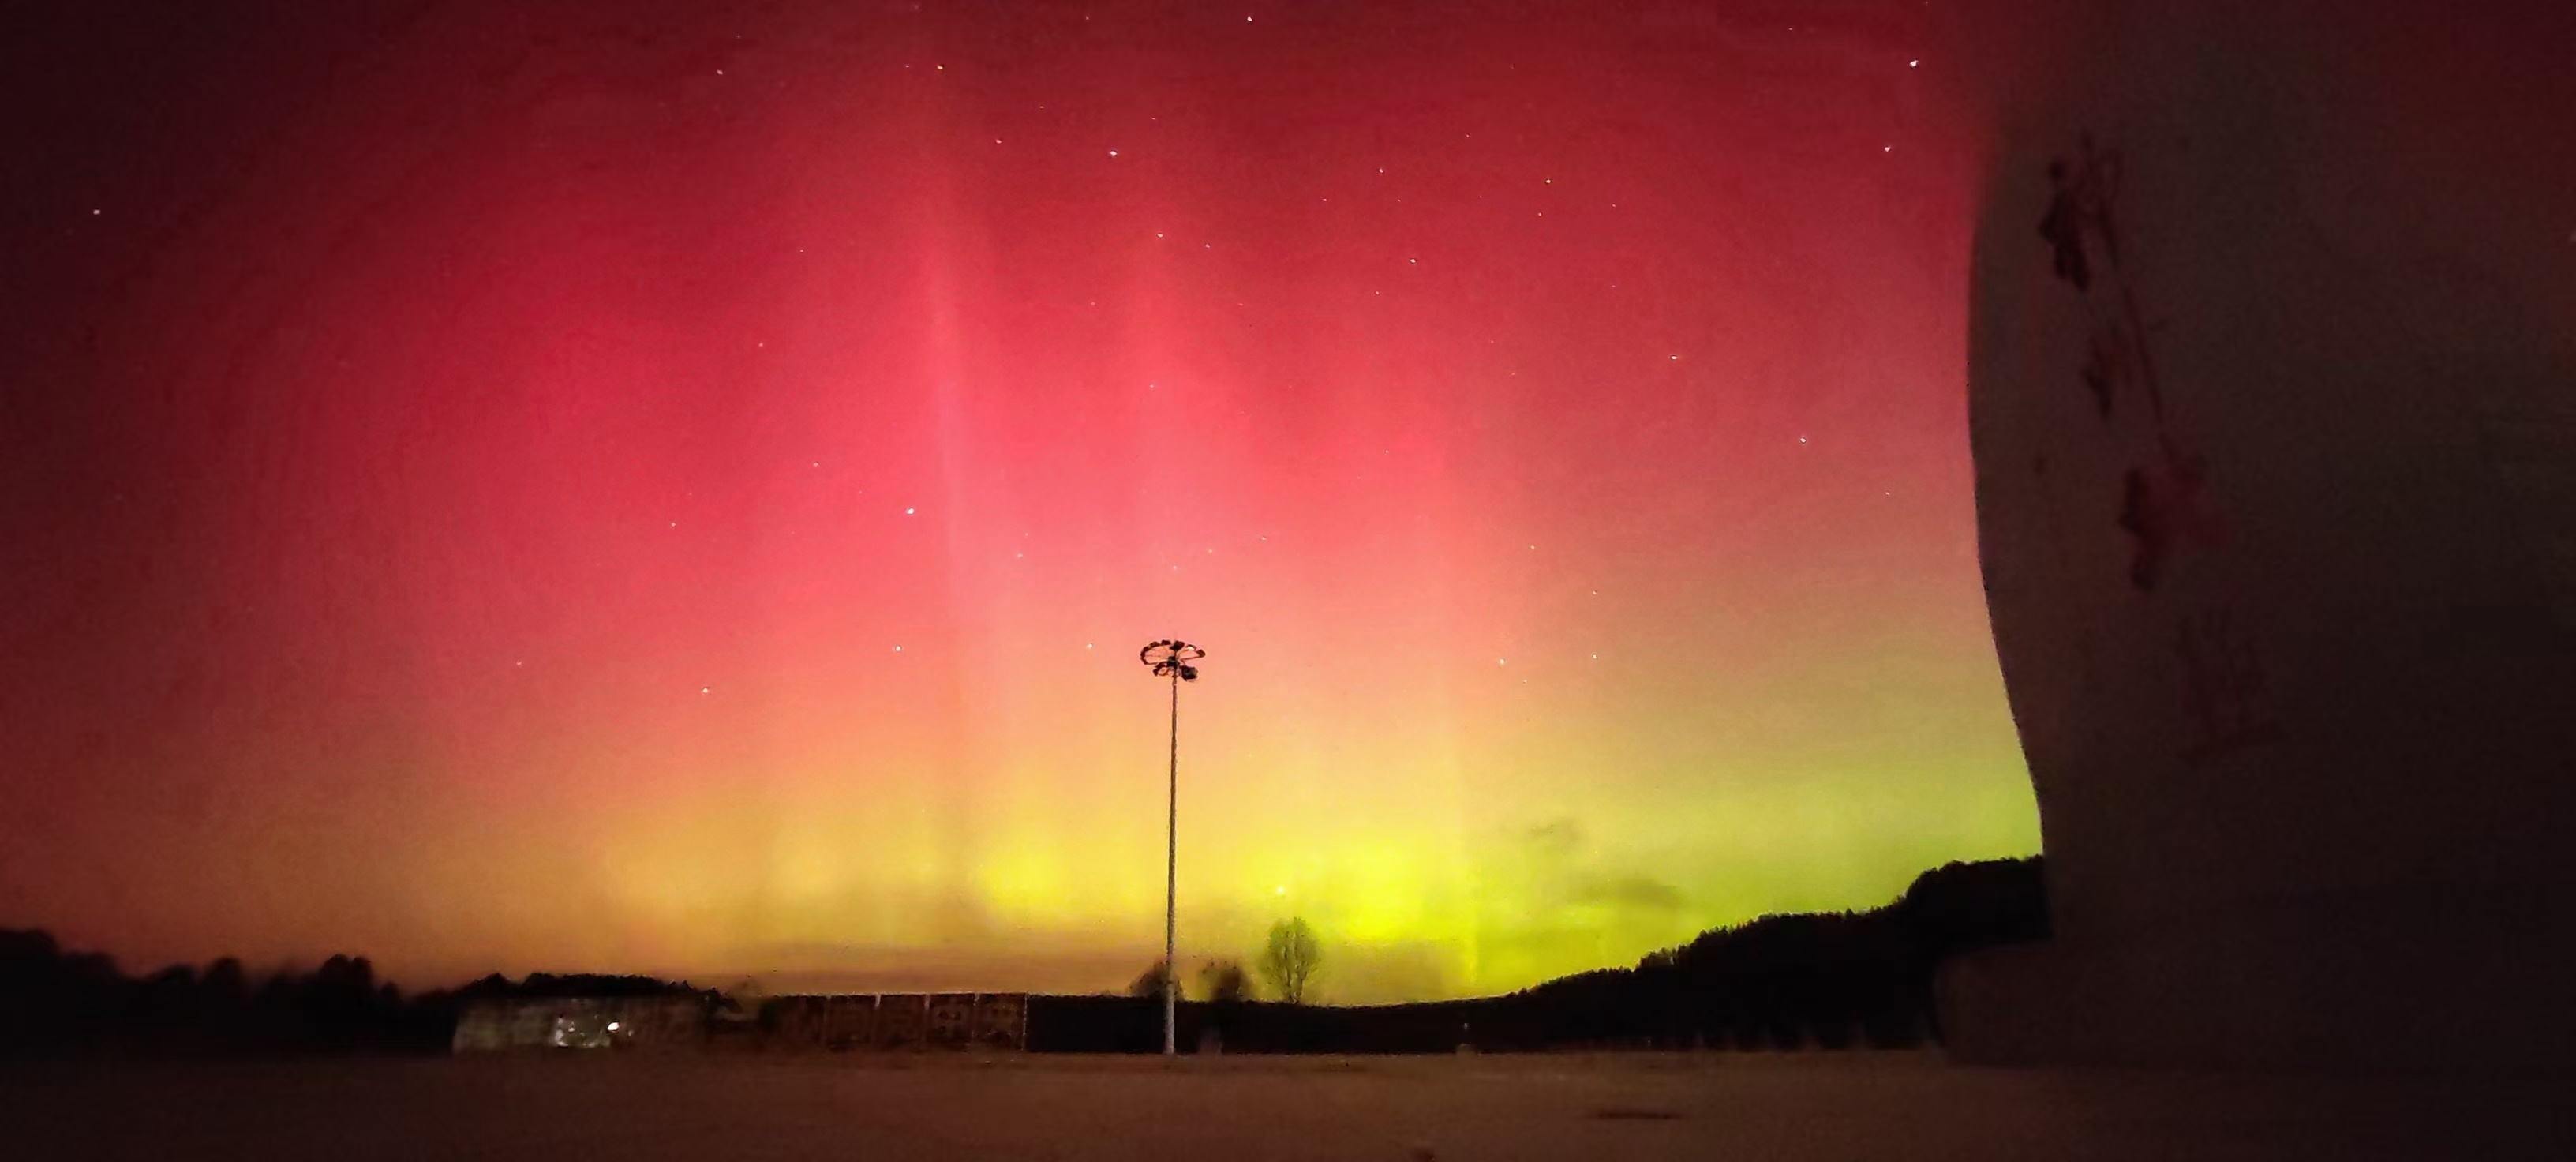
x: 1289, y: 961
x: 1149, y: 983
x: 1224, y: 982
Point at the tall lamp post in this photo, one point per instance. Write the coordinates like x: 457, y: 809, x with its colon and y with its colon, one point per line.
x: 1174, y: 659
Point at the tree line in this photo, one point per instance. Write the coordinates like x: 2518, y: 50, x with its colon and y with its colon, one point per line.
x: 1288, y: 962
x: 56, y: 1001
x: 1831, y: 980
x: 1828, y: 979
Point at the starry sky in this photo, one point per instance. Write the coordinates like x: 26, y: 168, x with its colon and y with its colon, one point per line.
x: 681, y: 488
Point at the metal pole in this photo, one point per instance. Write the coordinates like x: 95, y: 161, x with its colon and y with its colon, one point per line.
x: 1172, y: 873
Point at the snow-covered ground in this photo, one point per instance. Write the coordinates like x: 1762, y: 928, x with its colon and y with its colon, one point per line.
x: 1241, y: 1109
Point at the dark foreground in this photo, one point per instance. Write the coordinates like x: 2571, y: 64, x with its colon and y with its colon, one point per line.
x: 1243, y: 1108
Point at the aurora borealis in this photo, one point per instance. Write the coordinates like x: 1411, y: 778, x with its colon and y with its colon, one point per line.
x: 680, y: 489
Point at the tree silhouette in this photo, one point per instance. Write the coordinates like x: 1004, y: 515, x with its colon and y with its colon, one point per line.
x: 1289, y: 960
x: 1148, y: 983
x: 1224, y: 982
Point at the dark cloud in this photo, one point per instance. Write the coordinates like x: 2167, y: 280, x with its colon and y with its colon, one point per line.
x: 1627, y: 891
x: 1363, y: 974
x: 1556, y: 836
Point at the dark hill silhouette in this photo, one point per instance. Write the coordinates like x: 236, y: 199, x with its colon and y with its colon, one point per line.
x: 1830, y: 979
x: 1785, y: 979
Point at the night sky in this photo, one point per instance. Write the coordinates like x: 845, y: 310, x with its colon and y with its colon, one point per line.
x: 681, y: 488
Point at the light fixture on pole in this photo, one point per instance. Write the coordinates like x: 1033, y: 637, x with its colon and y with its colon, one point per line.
x: 1172, y: 658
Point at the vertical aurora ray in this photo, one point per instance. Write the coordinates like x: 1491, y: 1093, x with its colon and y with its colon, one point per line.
x: 469, y: 524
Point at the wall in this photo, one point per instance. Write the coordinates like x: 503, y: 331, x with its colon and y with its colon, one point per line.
x: 2274, y: 418
x: 652, y: 1022
x: 895, y: 1021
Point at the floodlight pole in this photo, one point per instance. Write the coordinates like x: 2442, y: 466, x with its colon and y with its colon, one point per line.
x: 1171, y: 658
x: 1172, y: 873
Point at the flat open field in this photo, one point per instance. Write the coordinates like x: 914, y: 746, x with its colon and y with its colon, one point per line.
x: 1240, y: 1109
